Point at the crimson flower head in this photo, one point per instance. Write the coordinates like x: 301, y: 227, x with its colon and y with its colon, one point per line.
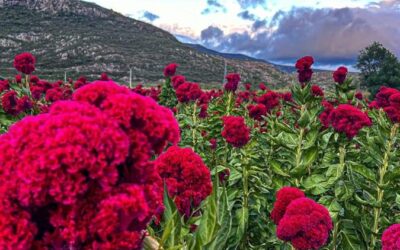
x: 4, y: 85
x: 25, y: 63
x: 317, y: 91
x: 233, y: 80
x: 9, y: 101
x: 203, y: 110
x: 213, y: 144
x: 262, y: 86
x: 283, y: 198
x: 340, y: 75
x: 188, y: 92
x: 349, y: 120
x: 391, y: 238
x: 187, y: 178
x: 235, y: 131
x: 303, y: 66
x: 324, y: 116
x: 257, y: 111
x: 18, y: 78
x: 177, y: 81
x: 170, y: 70
x: 104, y: 77
x: 358, y: 96
x: 306, y: 224
x: 270, y: 100
x: 382, y: 98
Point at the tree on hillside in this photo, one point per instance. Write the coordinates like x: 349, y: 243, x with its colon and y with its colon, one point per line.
x: 378, y: 67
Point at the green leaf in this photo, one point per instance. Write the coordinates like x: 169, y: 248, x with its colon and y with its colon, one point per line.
x: 277, y: 169
x: 171, y: 223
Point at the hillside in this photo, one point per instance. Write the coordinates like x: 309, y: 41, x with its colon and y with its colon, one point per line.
x: 82, y: 38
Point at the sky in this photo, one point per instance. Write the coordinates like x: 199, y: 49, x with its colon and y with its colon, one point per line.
x: 333, y: 31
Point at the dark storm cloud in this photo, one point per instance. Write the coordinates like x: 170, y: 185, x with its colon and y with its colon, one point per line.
x: 251, y: 3
x: 327, y: 34
x: 258, y: 24
x: 212, y: 36
x: 150, y: 16
x: 214, y: 6
x: 246, y: 15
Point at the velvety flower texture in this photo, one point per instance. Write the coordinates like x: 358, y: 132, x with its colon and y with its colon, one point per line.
x: 9, y: 102
x: 270, y: 100
x: 303, y: 66
x: 283, y: 198
x: 4, y: 85
x: 81, y: 175
x: 324, y: 116
x: 391, y: 238
x: 340, y: 75
x: 257, y: 111
x: 170, y: 70
x: 389, y: 100
x: 25, y: 63
x: 233, y: 80
x: 317, y: 91
x: 187, y: 178
x: 177, y: 81
x: 306, y: 224
x: 235, y: 131
x: 188, y: 92
x: 348, y: 119
x: 104, y: 77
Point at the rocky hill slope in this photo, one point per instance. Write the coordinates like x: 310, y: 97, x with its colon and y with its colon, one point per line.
x: 82, y: 38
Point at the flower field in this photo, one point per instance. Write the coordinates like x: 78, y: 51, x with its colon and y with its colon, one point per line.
x: 96, y: 165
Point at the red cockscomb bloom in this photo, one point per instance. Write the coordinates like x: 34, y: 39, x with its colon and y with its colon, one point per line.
x: 18, y: 78
x: 287, y: 96
x: 104, y: 77
x: 170, y: 70
x: 262, y: 86
x: 306, y: 224
x: 4, y: 85
x: 391, y: 238
x: 383, y: 96
x: 283, y: 198
x: 359, y: 96
x: 324, y: 116
x: 340, y: 74
x: 235, y: 131
x: 187, y: 178
x: 213, y: 143
x: 270, y: 100
x: 257, y: 111
x: 25, y: 63
x: 233, y: 80
x: 317, y: 91
x: 203, y: 111
x: 81, y: 176
x: 177, y: 81
x: 9, y: 101
x: 349, y: 120
x: 303, y: 66
x: 188, y: 92
x: 24, y: 104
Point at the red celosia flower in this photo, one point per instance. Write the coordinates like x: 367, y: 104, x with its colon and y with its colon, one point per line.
x: 340, y: 75
x: 24, y: 104
x: 80, y: 82
x: 283, y: 198
x: 170, y: 70
x: 317, y: 91
x: 262, y: 86
x: 306, y: 224
x: 9, y: 102
x: 383, y: 96
x: 203, y: 111
x: 4, y: 85
x: 177, y: 81
x: 373, y: 105
x: 287, y: 96
x: 223, y: 176
x: 104, y: 77
x: 358, y: 96
x: 36, y: 92
x: 303, y: 66
x: 324, y: 116
x: 348, y: 119
x: 25, y: 63
x: 391, y: 238
x: 187, y: 178
x: 213, y: 143
x: 270, y: 99
x: 54, y: 94
x: 233, y: 80
x: 188, y: 92
x: 81, y: 176
x: 34, y: 79
x: 247, y: 86
x: 257, y: 111
x: 235, y: 131
x: 18, y: 78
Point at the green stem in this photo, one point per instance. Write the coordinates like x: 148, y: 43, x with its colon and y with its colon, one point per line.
x: 342, y: 162
x: 379, y: 190
x: 245, y: 205
x: 194, y: 121
x: 28, y: 89
x: 229, y: 104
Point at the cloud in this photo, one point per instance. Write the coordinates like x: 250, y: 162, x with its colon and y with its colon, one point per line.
x: 245, y: 4
x: 386, y: 4
x: 246, y: 15
x: 330, y: 35
x: 150, y: 16
x: 214, y: 6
